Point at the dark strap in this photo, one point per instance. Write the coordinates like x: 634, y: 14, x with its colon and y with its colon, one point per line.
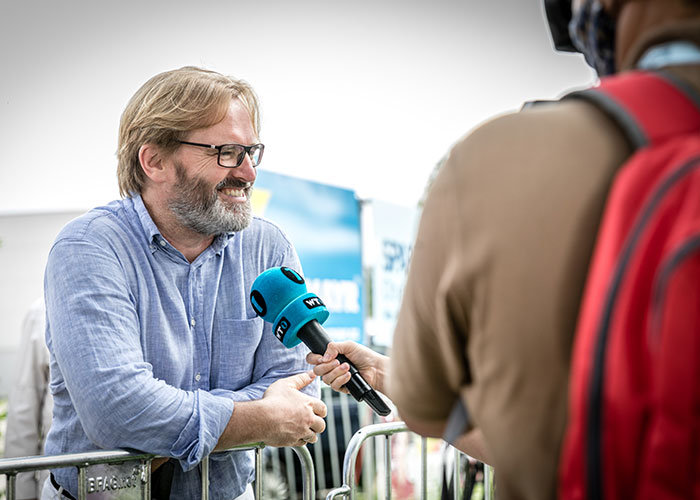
x: 59, y: 488
x: 161, y: 481
x: 457, y: 422
x: 649, y: 107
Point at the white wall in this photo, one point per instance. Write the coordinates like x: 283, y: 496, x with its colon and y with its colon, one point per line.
x: 364, y: 94
x: 26, y: 240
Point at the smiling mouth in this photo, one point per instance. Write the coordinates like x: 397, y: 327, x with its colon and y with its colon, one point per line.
x: 234, y: 194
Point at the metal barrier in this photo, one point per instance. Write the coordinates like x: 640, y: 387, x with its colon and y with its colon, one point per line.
x: 347, y: 490
x: 138, y: 476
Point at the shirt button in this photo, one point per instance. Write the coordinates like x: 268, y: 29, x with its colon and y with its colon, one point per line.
x: 197, y: 377
x: 162, y: 243
x: 192, y: 322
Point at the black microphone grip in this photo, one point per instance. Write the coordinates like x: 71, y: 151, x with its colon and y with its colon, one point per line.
x: 315, y: 338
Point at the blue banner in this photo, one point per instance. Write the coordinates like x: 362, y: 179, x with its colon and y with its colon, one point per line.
x: 323, y: 223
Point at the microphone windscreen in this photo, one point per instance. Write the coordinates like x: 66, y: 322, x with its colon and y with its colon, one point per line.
x: 279, y: 297
x: 274, y: 289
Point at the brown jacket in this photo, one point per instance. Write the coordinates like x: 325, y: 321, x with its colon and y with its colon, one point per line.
x: 497, y: 274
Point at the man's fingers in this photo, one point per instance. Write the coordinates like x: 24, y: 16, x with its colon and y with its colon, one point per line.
x: 331, y: 352
x: 313, y: 359
x: 335, y: 348
x: 336, y: 377
x: 318, y: 426
x: 319, y: 407
x: 301, y: 380
x: 324, y: 368
x: 338, y: 383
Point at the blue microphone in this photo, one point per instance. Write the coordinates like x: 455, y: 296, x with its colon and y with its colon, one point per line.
x: 279, y: 296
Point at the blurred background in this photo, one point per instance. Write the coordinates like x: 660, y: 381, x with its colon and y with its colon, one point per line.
x: 360, y: 100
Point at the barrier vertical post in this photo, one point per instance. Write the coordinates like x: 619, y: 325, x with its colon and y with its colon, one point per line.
x: 258, y: 473
x: 423, y: 468
x: 146, y: 471
x: 82, y: 481
x: 205, y: 478
x: 387, y: 467
x: 11, y: 486
x: 455, y: 474
x: 307, y: 470
x: 489, y: 491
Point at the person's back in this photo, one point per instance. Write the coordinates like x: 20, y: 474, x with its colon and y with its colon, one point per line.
x: 499, y: 265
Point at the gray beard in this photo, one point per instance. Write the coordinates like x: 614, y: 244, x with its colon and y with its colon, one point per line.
x: 199, y: 209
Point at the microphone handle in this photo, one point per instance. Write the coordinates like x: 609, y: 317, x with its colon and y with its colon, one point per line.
x: 316, y: 339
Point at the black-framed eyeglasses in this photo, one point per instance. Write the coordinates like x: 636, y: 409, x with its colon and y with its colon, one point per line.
x: 232, y: 155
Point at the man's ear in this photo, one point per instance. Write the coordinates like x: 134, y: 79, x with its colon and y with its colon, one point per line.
x: 152, y: 160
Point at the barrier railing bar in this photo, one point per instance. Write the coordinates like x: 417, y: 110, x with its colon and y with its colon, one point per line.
x: 455, y: 474
x: 345, y: 417
x: 258, y: 473
x: 353, y: 450
x: 11, y: 485
x: 489, y: 491
x: 387, y: 467
x: 204, y: 471
x: 307, y: 470
x: 320, y: 466
x: 24, y: 464
x: 333, y: 443
x: 347, y: 490
x: 423, y: 468
x: 10, y: 467
x: 291, y: 476
x: 146, y: 469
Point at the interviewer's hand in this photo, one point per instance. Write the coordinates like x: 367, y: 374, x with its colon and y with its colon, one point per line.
x: 371, y: 365
x: 296, y: 417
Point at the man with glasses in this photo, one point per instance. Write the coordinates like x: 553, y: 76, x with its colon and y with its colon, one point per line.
x: 154, y: 345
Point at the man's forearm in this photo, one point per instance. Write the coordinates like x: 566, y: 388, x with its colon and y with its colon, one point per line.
x: 249, y: 423
x: 283, y: 417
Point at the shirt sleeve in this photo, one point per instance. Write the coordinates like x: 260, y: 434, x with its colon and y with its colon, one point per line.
x: 429, y: 365
x: 95, y: 337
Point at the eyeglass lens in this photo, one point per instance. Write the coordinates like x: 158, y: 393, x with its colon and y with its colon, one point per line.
x: 232, y: 155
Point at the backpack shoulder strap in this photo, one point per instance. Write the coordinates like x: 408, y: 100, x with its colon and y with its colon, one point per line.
x: 648, y: 106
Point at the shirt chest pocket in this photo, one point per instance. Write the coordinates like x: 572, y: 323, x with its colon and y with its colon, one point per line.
x: 234, y: 352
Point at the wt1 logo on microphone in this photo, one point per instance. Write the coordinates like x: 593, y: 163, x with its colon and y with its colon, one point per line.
x: 312, y: 302
x: 282, y: 328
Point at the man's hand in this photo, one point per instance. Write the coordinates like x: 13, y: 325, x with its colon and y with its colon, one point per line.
x: 371, y: 365
x: 296, y: 418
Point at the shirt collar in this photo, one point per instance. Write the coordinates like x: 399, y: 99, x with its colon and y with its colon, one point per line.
x: 149, y: 227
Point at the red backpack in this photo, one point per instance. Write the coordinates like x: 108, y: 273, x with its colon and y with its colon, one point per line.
x: 634, y: 403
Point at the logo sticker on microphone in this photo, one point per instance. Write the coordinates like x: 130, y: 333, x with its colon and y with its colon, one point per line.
x: 292, y: 275
x: 281, y: 328
x: 258, y: 303
x: 312, y: 302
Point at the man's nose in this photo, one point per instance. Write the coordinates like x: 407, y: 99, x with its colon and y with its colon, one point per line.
x: 245, y: 171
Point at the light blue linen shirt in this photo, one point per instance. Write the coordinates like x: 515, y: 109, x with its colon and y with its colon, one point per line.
x: 150, y: 352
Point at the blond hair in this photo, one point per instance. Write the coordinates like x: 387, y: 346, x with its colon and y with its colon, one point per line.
x: 169, y: 105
